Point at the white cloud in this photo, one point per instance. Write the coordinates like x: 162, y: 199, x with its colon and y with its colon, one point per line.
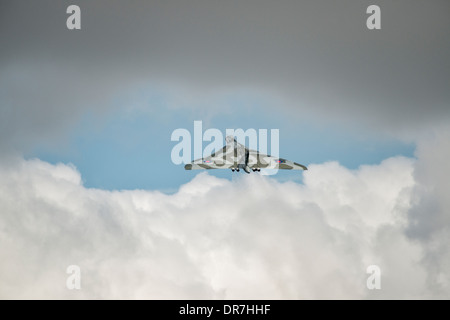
x: 429, y: 218
x: 252, y: 237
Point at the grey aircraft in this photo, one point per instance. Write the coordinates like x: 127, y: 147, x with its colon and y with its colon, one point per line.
x: 236, y: 156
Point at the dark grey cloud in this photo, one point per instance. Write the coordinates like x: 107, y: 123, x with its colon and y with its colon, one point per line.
x: 317, y: 57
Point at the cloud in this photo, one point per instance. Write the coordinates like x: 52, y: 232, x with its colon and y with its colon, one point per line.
x: 429, y: 218
x: 317, y: 60
x: 248, y: 238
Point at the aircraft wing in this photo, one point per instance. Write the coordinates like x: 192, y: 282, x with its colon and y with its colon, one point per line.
x: 264, y: 161
x: 221, y: 159
x: 235, y: 155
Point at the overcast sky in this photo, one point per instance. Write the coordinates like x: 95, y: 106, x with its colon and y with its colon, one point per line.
x: 317, y: 58
x: 86, y: 112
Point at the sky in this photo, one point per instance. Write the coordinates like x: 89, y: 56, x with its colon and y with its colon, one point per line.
x: 87, y: 179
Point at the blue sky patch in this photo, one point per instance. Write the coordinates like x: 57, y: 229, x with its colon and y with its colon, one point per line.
x: 130, y: 148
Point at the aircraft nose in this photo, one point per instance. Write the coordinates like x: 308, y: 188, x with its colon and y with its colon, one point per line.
x: 229, y: 139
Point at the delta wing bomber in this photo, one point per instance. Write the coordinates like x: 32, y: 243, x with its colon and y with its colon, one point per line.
x: 236, y: 156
